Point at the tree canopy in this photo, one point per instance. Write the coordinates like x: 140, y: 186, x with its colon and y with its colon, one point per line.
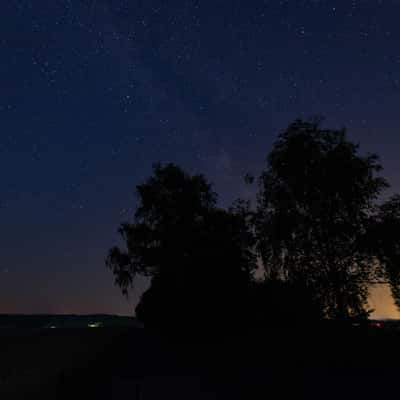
x: 320, y: 228
x: 317, y: 196
x: 199, y: 257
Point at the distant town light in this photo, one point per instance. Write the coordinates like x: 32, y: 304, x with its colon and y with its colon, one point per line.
x: 95, y: 325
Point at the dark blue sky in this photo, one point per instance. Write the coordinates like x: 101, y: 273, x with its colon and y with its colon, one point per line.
x: 93, y: 92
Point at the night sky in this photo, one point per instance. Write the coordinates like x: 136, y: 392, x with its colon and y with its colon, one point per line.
x: 94, y: 91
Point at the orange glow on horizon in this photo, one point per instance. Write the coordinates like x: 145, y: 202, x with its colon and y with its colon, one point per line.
x: 381, y: 301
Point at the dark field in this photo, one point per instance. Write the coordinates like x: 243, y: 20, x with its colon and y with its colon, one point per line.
x: 126, y: 362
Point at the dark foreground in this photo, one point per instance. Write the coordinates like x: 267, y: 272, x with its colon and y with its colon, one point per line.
x: 130, y: 363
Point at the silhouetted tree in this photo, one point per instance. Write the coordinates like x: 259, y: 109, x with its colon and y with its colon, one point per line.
x: 198, y: 256
x: 318, y: 229
x: 315, y: 203
x: 277, y: 302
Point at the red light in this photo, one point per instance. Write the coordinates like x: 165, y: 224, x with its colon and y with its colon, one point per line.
x: 378, y: 324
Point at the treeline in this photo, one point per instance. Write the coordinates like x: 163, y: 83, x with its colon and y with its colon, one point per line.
x: 319, y: 232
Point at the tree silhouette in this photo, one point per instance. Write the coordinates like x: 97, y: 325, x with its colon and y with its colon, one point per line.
x: 282, y: 302
x: 197, y: 255
x: 315, y: 203
x: 319, y: 230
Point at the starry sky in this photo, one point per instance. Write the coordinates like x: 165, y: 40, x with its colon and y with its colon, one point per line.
x: 94, y: 91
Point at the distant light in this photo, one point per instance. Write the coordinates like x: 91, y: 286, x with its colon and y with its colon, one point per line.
x: 53, y: 327
x: 378, y: 324
x: 95, y: 325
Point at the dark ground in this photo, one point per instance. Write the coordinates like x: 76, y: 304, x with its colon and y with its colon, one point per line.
x: 130, y: 363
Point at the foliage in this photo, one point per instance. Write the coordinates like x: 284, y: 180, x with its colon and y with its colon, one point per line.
x: 318, y: 229
x: 316, y: 198
x: 282, y: 303
x: 197, y: 255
